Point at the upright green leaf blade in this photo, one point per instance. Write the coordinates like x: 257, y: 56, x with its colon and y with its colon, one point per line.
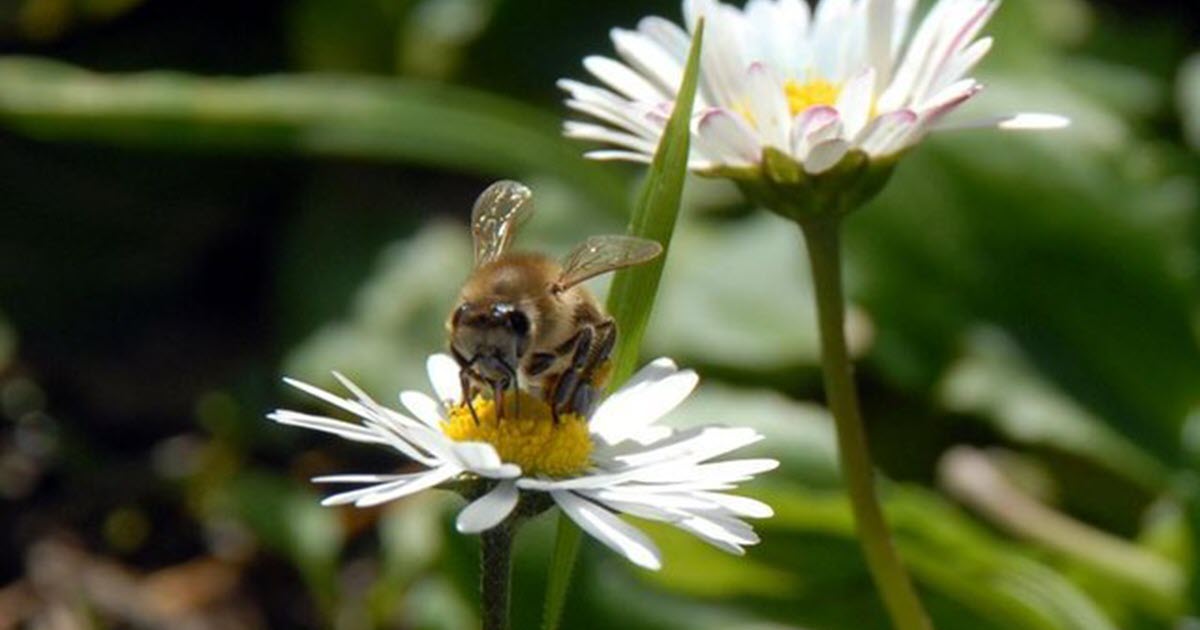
x: 631, y: 297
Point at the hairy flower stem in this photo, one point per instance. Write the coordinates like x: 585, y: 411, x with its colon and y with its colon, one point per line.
x: 822, y: 236
x: 495, y: 558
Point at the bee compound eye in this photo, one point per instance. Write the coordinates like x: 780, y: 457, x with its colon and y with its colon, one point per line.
x: 518, y: 322
x: 461, y: 312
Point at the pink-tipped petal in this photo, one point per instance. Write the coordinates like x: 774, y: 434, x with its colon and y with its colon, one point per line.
x: 825, y: 156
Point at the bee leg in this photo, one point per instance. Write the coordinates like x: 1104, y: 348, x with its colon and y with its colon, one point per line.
x: 606, y: 331
x: 464, y: 380
x: 564, y: 390
x: 540, y: 362
x: 516, y: 385
x: 501, y: 386
x: 584, y: 398
x: 586, y: 390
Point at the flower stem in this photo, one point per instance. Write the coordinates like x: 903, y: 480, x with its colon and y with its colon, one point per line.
x: 822, y: 237
x: 495, y: 558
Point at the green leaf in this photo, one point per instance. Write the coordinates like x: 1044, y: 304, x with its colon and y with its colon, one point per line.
x: 708, y: 314
x: 971, y: 579
x: 631, y: 296
x: 562, y: 563
x: 1189, y: 99
x: 994, y: 381
x: 1046, y: 238
x: 325, y: 115
x: 290, y: 521
x: 8, y: 342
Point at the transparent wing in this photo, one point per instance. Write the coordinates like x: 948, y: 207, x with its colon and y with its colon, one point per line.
x: 601, y: 254
x: 494, y: 220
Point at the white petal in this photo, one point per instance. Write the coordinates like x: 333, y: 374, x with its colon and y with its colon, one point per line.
x: 705, y: 531
x: 742, y: 506
x: 625, y: 156
x: 413, y: 437
x: 780, y: 34
x: 855, y: 101
x: 360, y: 478
x: 1032, y: 120
x: 443, y: 375
x: 609, y: 529
x: 641, y: 509
x: 426, y: 409
x: 813, y: 125
x: 390, y: 425
x: 964, y: 62
x: 768, y: 103
x: 880, y: 18
x: 630, y: 117
x: 429, y: 480
x: 721, y: 533
x: 903, y: 15
x: 883, y: 135
x: 1013, y: 122
x: 674, y: 40
x: 607, y: 106
x: 587, y: 131
x: 333, y: 399
x: 662, y: 500
x: 652, y: 393
x: 919, y: 54
x: 623, y: 79
x: 957, y: 32
x: 345, y: 430
x: 697, y: 445
x: 727, y: 138
x: 488, y: 510
x: 401, y: 484
x: 647, y: 57
x: 651, y: 435
x: 825, y: 156
x: 723, y: 58
x: 720, y: 472
x: 731, y: 528
x: 832, y: 33
x: 482, y: 459
x: 941, y: 105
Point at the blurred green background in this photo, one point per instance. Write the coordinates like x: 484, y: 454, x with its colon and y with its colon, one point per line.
x: 199, y: 196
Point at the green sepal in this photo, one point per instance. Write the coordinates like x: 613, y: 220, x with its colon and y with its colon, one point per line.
x: 781, y: 185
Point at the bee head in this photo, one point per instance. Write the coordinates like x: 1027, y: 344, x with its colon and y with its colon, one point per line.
x: 493, y: 336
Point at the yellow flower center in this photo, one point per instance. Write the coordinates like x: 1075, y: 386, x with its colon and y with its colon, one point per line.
x: 531, y: 439
x: 801, y: 96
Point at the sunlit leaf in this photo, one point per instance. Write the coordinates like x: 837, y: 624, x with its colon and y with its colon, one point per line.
x: 392, y: 119
x: 1189, y: 99
x: 993, y: 381
x: 289, y: 520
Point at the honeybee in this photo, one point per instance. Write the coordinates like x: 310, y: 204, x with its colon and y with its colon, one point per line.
x: 523, y: 320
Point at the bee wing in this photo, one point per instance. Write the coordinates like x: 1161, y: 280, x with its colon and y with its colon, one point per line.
x: 494, y: 219
x: 601, y: 254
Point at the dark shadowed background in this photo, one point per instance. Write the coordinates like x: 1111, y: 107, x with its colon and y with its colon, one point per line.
x: 172, y: 243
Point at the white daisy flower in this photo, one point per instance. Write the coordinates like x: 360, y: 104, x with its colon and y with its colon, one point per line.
x: 618, y: 461
x: 813, y: 85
